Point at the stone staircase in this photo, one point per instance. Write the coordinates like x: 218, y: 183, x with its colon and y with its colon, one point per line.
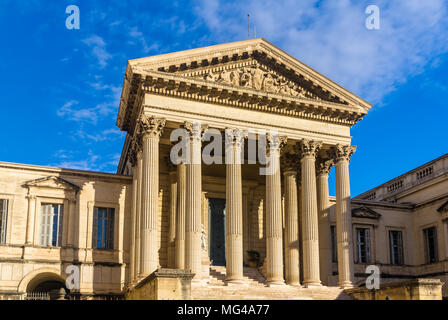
x: 254, y: 288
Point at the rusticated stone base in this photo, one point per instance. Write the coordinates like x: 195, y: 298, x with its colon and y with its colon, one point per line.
x: 416, y: 289
x: 163, y: 284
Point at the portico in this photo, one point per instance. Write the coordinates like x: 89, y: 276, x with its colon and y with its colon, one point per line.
x: 245, y: 91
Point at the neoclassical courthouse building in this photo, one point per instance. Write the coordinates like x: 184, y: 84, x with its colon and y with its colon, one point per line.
x: 225, y: 222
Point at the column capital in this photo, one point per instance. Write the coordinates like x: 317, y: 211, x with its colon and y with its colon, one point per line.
x: 308, y: 147
x: 275, y: 141
x: 290, y: 163
x: 341, y: 152
x: 235, y: 136
x: 323, y: 166
x: 195, y: 129
x: 150, y: 126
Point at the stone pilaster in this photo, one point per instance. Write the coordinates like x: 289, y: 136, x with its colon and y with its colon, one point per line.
x: 150, y: 130
x: 323, y: 167
x: 292, y: 272
x: 193, y: 230
x: 29, y: 237
x: 310, y: 225
x: 180, y: 217
x: 234, y: 206
x: 342, y: 155
x: 274, y: 230
x: 173, y: 213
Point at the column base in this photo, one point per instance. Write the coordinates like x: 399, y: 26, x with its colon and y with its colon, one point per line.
x: 275, y: 283
x: 294, y: 284
x: 313, y: 284
x: 235, y: 282
x: 346, y: 285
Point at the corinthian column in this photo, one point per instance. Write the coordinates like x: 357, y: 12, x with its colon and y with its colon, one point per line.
x: 133, y: 161
x: 138, y: 216
x: 150, y: 129
x: 323, y: 167
x: 342, y: 154
x: 193, y: 230
x: 274, y: 232
x: 234, y: 206
x: 180, y: 216
x: 173, y: 213
x: 310, y: 226
x: 292, y: 220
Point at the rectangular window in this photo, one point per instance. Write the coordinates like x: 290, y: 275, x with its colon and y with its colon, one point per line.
x: 103, y: 228
x: 334, y: 244
x: 431, y: 244
x: 3, y: 220
x: 396, y: 247
x: 51, y: 225
x: 363, y: 244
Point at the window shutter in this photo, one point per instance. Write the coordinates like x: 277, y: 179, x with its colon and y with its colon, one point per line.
x: 367, y: 235
x: 95, y: 228
x: 3, y: 220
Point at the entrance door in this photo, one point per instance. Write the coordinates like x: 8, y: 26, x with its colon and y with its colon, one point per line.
x: 217, y: 230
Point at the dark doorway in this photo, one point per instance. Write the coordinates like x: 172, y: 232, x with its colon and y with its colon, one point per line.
x: 217, y: 231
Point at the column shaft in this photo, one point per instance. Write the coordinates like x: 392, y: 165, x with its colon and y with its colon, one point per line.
x: 138, y: 214
x: 344, y: 225
x: 234, y: 210
x: 172, y: 222
x: 292, y: 229
x: 150, y: 205
x: 180, y: 216
x: 274, y: 230
x: 193, y: 230
x: 132, y: 269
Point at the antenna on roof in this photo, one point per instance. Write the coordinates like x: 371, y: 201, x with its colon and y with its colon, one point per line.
x: 248, y: 26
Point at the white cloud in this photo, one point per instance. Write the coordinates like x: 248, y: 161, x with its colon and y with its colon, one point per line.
x: 70, y: 111
x: 98, y: 47
x: 331, y: 37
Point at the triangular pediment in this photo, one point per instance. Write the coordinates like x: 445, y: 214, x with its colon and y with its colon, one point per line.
x: 365, y: 212
x: 443, y: 208
x: 255, y: 64
x: 52, y: 182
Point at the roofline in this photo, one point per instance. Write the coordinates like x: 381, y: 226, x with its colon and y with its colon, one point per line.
x: 404, y: 174
x: 190, y: 52
x: 48, y: 169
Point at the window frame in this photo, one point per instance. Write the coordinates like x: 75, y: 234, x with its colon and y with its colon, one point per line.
x: 46, y: 234
x: 108, y: 243
x: 400, y: 247
x: 4, y: 219
x: 368, y: 245
x: 426, y: 244
x: 334, y: 243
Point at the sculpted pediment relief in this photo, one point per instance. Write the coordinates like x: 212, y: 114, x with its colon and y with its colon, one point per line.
x: 365, y: 212
x: 255, y: 76
x: 52, y: 182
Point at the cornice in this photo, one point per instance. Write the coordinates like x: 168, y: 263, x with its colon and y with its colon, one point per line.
x: 172, y: 85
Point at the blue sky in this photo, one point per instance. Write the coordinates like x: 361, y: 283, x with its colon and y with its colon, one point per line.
x: 60, y: 88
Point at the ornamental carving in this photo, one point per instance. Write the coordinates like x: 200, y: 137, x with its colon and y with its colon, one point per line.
x: 341, y: 152
x: 307, y: 147
x: 275, y: 141
x: 195, y: 130
x: 256, y: 77
x: 235, y: 136
x: 323, y: 166
x: 150, y: 126
x: 290, y: 163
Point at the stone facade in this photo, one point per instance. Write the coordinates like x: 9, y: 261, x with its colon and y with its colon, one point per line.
x: 161, y: 211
